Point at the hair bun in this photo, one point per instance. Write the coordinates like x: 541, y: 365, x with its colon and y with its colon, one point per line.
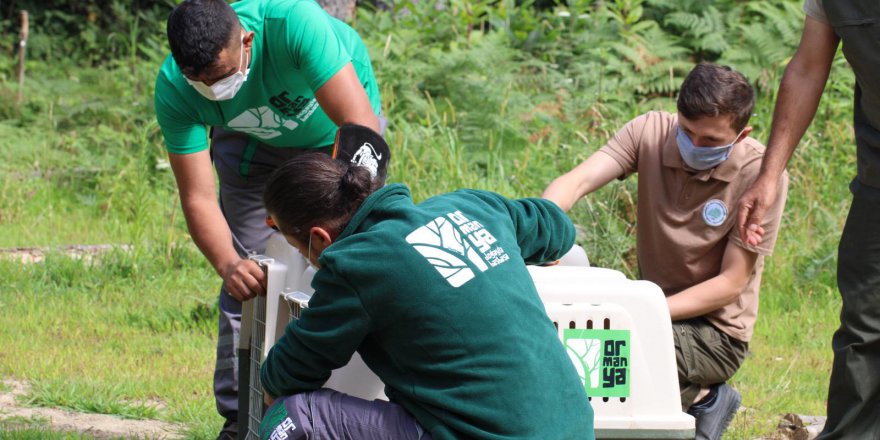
x: 356, y: 182
x: 327, y: 193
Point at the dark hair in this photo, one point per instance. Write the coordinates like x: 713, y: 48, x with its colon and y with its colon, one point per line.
x: 313, y: 189
x: 711, y: 90
x: 198, y: 30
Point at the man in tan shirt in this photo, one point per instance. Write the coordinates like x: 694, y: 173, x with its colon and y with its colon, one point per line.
x: 693, y: 166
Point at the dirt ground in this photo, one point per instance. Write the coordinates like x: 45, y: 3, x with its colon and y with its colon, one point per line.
x: 99, y: 426
x: 37, y: 255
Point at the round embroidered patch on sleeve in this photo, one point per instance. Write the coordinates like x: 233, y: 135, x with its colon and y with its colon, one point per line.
x: 714, y: 212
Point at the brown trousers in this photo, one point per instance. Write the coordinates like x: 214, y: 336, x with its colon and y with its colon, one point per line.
x: 705, y: 356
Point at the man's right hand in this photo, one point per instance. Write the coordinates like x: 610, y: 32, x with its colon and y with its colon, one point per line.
x: 244, y: 279
x: 752, y: 207
x: 798, y: 97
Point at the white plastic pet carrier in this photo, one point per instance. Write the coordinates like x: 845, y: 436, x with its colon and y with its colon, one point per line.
x: 617, y: 332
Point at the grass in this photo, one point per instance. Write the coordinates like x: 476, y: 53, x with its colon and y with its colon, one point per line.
x: 35, y: 428
x: 508, y: 110
x: 112, y: 335
x: 108, y: 399
x: 17, y: 428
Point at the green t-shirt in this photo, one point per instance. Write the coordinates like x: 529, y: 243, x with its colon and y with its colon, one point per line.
x: 297, y: 48
x: 437, y: 300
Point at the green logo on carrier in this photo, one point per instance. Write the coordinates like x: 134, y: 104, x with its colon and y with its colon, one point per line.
x: 601, y: 358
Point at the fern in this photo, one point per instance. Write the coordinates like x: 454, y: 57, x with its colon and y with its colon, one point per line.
x: 703, y: 32
x: 763, y: 40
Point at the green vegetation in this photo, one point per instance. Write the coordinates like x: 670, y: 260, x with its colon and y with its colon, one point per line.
x: 486, y: 94
x: 17, y: 428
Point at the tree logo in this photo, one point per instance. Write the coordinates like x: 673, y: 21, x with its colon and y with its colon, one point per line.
x: 714, y: 212
x: 458, y: 247
x: 261, y: 122
x: 602, y: 360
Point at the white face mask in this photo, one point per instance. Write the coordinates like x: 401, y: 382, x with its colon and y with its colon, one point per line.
x: 226, y: 88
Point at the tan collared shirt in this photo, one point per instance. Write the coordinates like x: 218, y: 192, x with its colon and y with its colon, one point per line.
x: 686, y: 218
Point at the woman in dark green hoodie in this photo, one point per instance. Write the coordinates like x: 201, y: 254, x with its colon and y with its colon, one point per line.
x: 437, y: 300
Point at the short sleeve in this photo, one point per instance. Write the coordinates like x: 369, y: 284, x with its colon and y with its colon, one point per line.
x: 315, y: 46
x: 624, y: 146
x: 771, y: 223
x: 815, y: 10
x: 182, y: 133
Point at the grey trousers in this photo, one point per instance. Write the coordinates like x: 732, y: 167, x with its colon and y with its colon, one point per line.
x: 243, y: 166
x: 705, y: 356
x: 854, y: 389
x: 326, y: 414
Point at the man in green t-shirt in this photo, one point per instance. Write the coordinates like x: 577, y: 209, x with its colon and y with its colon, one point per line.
x: 272, y: 78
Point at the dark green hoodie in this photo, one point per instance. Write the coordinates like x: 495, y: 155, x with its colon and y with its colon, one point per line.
x: 437, y: 300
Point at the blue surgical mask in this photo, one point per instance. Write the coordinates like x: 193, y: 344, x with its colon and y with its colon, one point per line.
x: 702, y: 158
x: 226, y: 88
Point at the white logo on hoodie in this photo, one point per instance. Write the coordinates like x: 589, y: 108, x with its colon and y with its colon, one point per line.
x: 457, y: 247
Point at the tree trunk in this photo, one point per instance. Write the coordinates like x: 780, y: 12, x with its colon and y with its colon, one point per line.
x: 22, y: 44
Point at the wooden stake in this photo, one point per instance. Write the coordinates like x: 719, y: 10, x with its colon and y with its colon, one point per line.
x: 21, y: 51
